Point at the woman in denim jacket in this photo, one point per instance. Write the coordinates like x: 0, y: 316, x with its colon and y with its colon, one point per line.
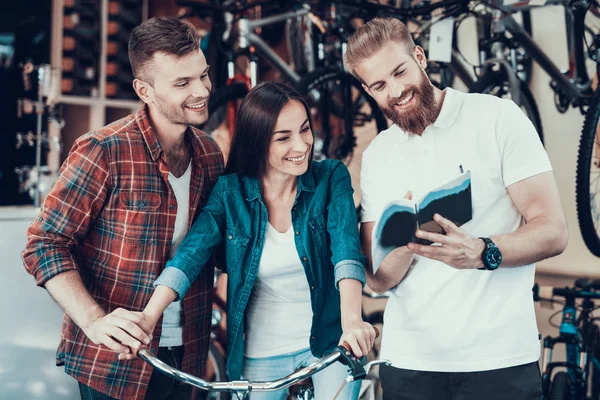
x: 292, y: 250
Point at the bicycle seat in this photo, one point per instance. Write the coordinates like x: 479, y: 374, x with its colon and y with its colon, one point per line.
x: 586, y: 283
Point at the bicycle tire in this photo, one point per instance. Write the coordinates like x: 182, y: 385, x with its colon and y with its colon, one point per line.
x: 333, y: 80
x: 593, y: 339
x: 374, y: 318
x: 493, y: 80
x: 217, y: 101
x: 560, y: 387
x: 588, y: 204
x: 295, y: 44
x: 527, y: 63
x: 216, y: 363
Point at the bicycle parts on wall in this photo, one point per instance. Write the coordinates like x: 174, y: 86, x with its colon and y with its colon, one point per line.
x: 36, y: 106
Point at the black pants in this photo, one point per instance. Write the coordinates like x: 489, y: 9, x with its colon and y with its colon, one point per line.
x: 522, y: 382
x: 161, y: 387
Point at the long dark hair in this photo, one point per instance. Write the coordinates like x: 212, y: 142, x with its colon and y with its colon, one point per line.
x: 256, y: 120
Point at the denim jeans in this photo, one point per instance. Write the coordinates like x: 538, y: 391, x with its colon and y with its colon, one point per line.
x: 326, y: 383
x: 161, y: 387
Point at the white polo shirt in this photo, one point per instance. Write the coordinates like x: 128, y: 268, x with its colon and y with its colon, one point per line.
x: 440, y: 318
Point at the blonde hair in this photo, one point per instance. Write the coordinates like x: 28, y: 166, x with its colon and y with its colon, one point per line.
x: 371, y: 37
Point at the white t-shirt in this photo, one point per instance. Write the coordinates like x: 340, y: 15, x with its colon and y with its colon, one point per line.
x: 279, y: 313
x: 172, y: 329
x: 440, y: 318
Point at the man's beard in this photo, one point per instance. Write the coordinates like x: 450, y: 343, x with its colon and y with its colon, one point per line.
x: 421, y: 114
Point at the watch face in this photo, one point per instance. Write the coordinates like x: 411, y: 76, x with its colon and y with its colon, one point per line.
x: 493, y: 257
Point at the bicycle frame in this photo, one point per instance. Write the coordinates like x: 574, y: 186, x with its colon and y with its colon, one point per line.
x: 576, y: 363
x: 249, y: 42
x: 460, y: 70
x: 576, y: 84
x: 573, y: 333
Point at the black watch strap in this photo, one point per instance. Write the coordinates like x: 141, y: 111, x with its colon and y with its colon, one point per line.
x: 489, y: 244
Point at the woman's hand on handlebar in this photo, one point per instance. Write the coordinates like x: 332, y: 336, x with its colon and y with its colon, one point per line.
x: 148, y: 325
x: 359, y: 335
x: 160, y: 300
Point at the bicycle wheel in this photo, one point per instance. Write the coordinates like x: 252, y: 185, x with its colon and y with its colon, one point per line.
x: 496, y: 83
x: 374, y: 318
x: 215, y: 371
x: 218, y: 125
x: 587, y: 184
x: 593, y: 341
x: 299, y: 44
x: 218, y: 101
x: 341, y: 111
x: 524, y: 61
x: 560, y: 387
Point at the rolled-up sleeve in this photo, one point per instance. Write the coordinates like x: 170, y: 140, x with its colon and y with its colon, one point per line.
x: 342, y: 227
x: 349, y: 269
x: 74, y: 201
x: 176, y: 279
x: 198, y: 246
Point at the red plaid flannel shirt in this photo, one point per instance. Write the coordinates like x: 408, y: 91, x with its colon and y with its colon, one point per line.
x: 111, y: 216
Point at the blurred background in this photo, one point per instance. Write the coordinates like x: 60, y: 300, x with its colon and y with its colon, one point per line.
x: 64, y: 71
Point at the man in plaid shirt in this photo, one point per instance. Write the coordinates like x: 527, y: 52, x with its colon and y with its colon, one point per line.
x: 126, y: 196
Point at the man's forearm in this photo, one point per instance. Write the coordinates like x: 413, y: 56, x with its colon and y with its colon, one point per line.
x: 70, y: 294
x: 391, y: 271
x: 532, y: 242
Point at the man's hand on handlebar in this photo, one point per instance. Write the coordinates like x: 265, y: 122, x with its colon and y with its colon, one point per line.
x: 121, y: 331
x: 139, y: 323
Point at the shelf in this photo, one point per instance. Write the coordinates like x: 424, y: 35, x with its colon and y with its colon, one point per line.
x: 95, y: 101
x: 79, y: 100
x: 133, y: 104
x: 84, y: 114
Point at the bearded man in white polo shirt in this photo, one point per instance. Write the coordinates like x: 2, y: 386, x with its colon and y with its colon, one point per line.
x: 460, y: 323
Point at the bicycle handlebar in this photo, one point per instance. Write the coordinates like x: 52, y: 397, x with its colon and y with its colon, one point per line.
x: 408, y: 12
x: 341, y: 353
x: 586, y: 283
x: 207, y: 8
x: 541, y: 293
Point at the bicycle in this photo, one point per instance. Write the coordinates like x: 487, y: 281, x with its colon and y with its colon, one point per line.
x: 375, y: 318
x: 243, y: 388
x: 216, y: 369
x: 581, y: 336
x: 495, y: 48
x: 479, y: 80
x: 340, y: 100
x: 572, y: 89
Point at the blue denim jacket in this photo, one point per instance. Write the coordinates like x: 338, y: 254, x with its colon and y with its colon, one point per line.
x: 326, y: 236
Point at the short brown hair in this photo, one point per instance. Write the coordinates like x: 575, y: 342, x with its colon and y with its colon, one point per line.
x: 160, y: 34
x: 371, y: 37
